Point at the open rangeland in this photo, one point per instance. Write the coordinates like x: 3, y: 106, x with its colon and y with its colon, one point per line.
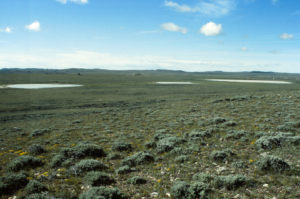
x: 122, y: 135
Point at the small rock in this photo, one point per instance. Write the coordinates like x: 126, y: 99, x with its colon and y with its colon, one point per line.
x: 221, y: 169
x: 237, y: 196
x: 154, y: 195
x: 266, y: 185
x: 168, y: 194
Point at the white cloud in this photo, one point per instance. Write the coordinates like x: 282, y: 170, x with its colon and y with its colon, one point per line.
x: 286, y: 36
x: 173, y: 28
x: 7, y: 30
x: 202, y: 62
x: 211, y: 8
x: 244, y: 49
x: 211, y: 29
x: 74, y: 1
x: 177, y: 7
x: 35, y: 26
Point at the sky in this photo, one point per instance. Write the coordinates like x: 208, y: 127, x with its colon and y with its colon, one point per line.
x: 194, y: 35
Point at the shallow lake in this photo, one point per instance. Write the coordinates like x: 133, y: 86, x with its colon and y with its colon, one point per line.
x: 250, y: 81
x: 174, y: 83
x: 39, y: 86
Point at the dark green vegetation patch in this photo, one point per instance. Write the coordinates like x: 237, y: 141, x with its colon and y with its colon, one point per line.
x: 11, y: 182
x: 24, y: 162
x: 97, y: 178
x: 103, y: 193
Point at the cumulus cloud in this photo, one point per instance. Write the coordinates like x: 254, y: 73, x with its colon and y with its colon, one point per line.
x: 286, y: 36
x: 34, y: 26
x: 7, y: 30
x: 211, y: 29
x: 244, y: 49
x: 211, y: 8
x: 173, y: 28
x: 74, y: 1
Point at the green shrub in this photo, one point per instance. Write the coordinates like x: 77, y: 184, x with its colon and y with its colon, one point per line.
x: 97, y: 178
x: 230, y: 182
x: 102, y: 193
x: 275, y: 140
x: 35, y: 186
x: 230, y: 123
x: 195, y: 135
x: 121, y: 146
x: 114, y: 156
x: 57, y: 160
x: 24, y: 162
x: 82, y: 151
x: 87, y: 165
x: 218, y: 120
x: 272, y: 163
x: 137, y: 180
x: 203, y: 177
x: 124, y: 169
x: 221, y: 155
x: 160, y: 134
x: 11, y: 182
x: 43, y: 195
x: 182, y: 158
x: 179, y: 151
x: 289, y: 126
x: 198, y: 190
x: 236, y: 134
x: 269, y: 142
x: 138, y: 159
x: 36, y: 149
x: 168, y: 143
x: 150, y: 144
x: 180, y: 190
x: 239, y: 164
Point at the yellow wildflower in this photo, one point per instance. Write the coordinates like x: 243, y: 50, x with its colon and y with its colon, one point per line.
x: 23, y: 153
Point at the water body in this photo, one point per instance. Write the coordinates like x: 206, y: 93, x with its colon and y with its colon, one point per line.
x: 250, y: 81
x: 39, y: 86
x: 174, y: 83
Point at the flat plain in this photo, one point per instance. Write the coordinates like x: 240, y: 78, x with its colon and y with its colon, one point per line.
x: 121, y: 135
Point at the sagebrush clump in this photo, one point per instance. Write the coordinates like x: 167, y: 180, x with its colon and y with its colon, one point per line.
x: 82, y: 151
x: 24, y: 162
x: 12, y: 182
x: 222, y: 155
x: 168, y: 143
x: 97, y: 178
x: 138, y: 159
x: 87, y: 165
x: 36, y: 149
x: 230, y: 181
x: 180, y: 190
x: 103, y: 193
x: 35, y: 186
x: 121, y: 146
x: 136, y: 180
x: 272, y: 163
x: 124, y: 170
x: 184, y: 190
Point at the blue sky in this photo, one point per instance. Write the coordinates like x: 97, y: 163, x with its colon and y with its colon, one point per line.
x: 194, y: 35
